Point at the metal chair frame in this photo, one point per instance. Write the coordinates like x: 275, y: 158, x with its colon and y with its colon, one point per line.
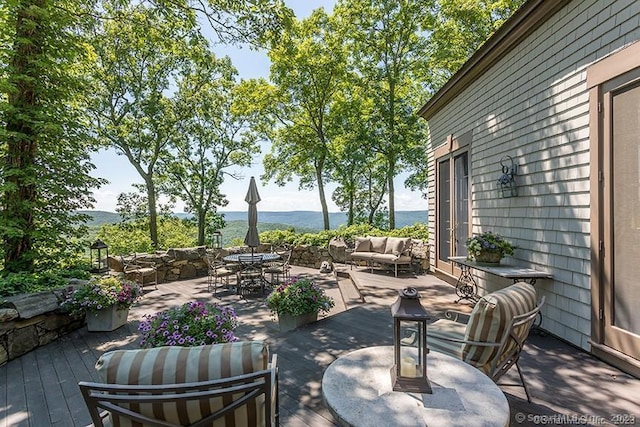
x: 125, y: 401
x: 250, y: 275
x: 218, y: 272
x: 139, y: 269
x: 509, y: 347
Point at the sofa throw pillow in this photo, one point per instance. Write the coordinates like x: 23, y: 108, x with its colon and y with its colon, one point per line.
x: 363, y: 244
x: 408, y: 245
x: 378, y: 244
x: 395, y: 246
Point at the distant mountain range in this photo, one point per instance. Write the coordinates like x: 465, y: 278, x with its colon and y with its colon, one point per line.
x: 307, y: 220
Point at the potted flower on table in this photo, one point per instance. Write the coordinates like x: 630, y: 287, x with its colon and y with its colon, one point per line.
x: 105, y: 301
x: 297, y: 302
x: 191, y: 324
x: 488, y: 248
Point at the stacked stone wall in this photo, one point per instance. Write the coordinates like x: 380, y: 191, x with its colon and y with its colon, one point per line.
x: 32, y: 320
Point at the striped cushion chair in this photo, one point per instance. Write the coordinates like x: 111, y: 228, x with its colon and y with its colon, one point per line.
x: 228, y: 384
x: 493, y: 335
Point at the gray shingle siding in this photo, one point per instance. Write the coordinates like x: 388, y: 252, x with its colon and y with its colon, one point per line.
x: 533, y: 105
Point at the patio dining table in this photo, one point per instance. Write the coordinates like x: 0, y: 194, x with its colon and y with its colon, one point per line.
x: 260, y: 258
x: 265, y: 256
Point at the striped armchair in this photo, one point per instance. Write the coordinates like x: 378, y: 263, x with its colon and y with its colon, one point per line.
x: 493, y: 335
x: 219, y: 385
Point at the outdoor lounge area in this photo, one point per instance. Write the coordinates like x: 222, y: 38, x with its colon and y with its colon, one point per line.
x: 565, y: 383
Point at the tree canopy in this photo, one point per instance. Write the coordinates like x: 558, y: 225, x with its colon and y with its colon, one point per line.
x: 338, y: 108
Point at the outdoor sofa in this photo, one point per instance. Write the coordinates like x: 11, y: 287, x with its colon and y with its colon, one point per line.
x: 393, y: 251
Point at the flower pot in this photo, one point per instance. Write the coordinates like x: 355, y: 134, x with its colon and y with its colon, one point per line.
x: 288, y: 322
x: 108, y: 319
x: 488, y: 257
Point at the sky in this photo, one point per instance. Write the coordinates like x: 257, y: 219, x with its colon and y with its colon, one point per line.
x: 250, y: 64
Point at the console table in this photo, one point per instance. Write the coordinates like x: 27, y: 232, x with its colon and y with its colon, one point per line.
x: 467, y: 288
x: 357, y: 390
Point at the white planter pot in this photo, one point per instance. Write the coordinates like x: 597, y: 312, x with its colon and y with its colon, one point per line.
x: 288, y: 322
x: 108, y: 319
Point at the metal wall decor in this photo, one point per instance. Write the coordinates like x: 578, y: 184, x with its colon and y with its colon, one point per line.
x: 507, y: 181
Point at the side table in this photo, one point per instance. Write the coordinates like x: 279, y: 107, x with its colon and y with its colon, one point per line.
x: 357, y: 390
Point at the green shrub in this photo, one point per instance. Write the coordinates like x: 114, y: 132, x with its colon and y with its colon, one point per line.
x: 130, y: 237
x: 26, y: 283
x: 348, y: 234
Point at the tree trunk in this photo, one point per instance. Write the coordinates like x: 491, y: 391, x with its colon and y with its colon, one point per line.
x: 392, y: 202
x: 19, y: 175
x: 202, y: 215
x: 323, y: 200
x: 153, y: 212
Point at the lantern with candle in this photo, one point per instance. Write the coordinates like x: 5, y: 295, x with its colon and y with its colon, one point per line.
x: 409, y: 371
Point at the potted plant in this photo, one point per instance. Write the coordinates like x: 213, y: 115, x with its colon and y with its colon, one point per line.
x: 297, y: 302
x: 488, y: 247
x: 191, y: 324
x: 105, y: 301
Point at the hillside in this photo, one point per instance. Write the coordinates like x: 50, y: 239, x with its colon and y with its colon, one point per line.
x: 301, y: 221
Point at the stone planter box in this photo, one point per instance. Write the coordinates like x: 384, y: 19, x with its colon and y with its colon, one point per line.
x: 109, y: 319
x: 288, y: 322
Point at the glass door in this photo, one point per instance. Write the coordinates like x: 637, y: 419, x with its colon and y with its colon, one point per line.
x: 622, y: 222
x: 452, y: 209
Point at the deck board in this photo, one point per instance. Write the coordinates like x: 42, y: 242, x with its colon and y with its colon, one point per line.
x: 40, y: 388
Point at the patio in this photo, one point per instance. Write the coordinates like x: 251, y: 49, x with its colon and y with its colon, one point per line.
x: 568, y: 385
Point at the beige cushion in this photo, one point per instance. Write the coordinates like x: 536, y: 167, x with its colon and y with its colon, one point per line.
x: 490, y: 318
x: 361, y: 256
x: 363, y: 244
x: 440, y: 336
x: 176, y: 365
x: 408, y: 245
x: 394, y: 245
x: 378, y: 244
x: 390, y: 259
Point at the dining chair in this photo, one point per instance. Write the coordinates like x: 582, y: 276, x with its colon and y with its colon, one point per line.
x: 219, y: 272
x: 279, y: 268
x: 250, y: 276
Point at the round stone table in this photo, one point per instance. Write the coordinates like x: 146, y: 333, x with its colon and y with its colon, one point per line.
x: 357, y: 390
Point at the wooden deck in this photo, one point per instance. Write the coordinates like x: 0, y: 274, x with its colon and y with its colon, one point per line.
x: 40, y: 388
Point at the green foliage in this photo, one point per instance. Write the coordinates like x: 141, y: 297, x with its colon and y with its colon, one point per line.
x: 191, y: 324
x: 346, y: 233
x: 101, y: 293
x: 44, y: 138
x: 26, y: 283
x: 299, y: 296
x: 488, y: 242
x: 129, y: 237
x: 215, y: 137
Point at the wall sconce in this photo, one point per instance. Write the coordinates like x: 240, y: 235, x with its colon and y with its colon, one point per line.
x: 507, y: 181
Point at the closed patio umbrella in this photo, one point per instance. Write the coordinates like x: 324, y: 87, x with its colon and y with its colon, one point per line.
x: 251, y: 239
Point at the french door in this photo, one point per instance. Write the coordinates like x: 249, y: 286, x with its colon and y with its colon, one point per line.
x: 622, y: 222
x: 614, y: 85
x: 452, y: 208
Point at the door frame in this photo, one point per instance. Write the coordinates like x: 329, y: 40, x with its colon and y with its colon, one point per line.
x: 603, y: 77
x: 455, y: 146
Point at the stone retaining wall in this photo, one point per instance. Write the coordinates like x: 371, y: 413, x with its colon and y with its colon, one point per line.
x: 32, y: 320
x: 29, y: 321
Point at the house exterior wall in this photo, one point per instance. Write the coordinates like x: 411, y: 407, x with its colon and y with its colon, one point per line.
x: 533, y: 105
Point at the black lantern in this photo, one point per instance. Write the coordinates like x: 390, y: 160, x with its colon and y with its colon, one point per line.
x: 216, y: 240
x: 409, y: 371
x: 507, y: 181
x: 100, y: 264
